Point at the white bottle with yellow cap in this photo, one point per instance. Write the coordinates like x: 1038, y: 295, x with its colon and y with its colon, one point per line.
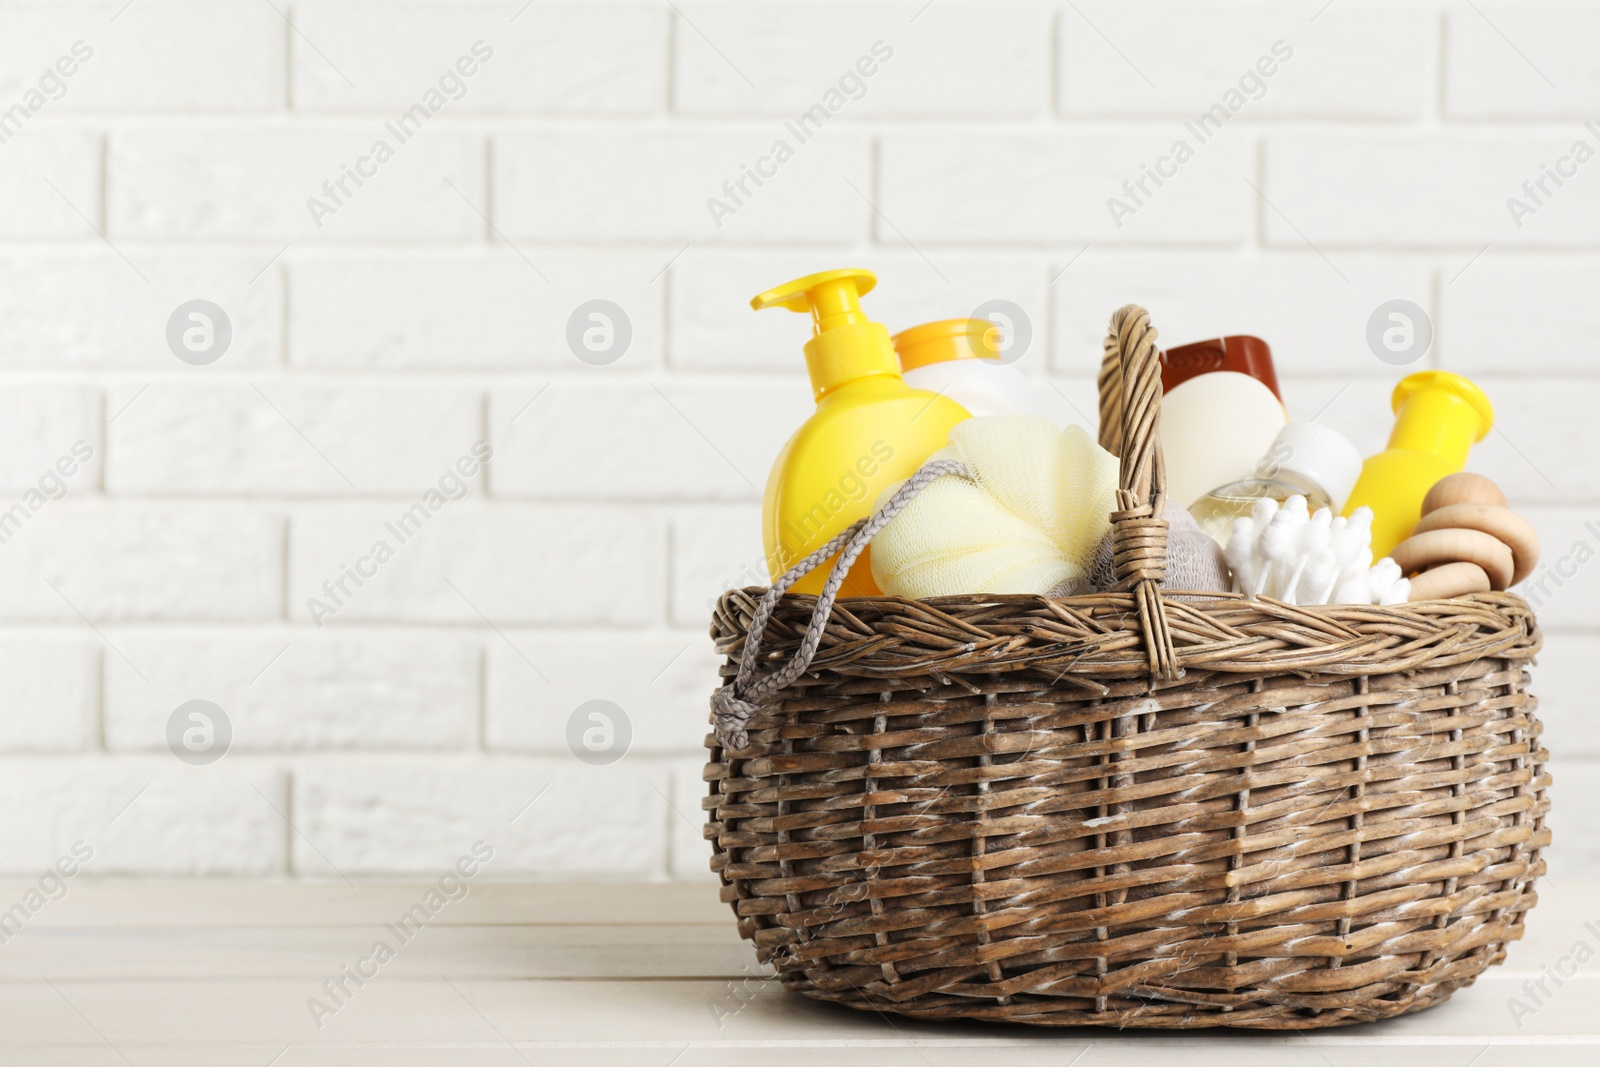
x: 960, y: 359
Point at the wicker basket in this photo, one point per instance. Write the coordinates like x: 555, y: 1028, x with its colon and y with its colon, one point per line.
x: 1128, y: 809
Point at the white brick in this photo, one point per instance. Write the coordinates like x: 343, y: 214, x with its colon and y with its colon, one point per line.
x: 52, y: 696
x: 139, y: 563
x: 160, y: 56
x: 643, y: 184
x: 1052, y: 188
x: 143, y: 815
x: 1180, y: 60
x: 300, y: 693
x: 714, y: 549
x: 1564, y: 683
x: 1564, y: 587
x: 1001, y: 52
x: 1549, y: 70
x: 460, y: 311
x: 1315, y: 321
x: 255, y: 183
x: 538, y: 680
x: 642, y: 442
x: 413, y: 817
x: 33, y: 161
x: 91, y: 309
x: 1574, y: 819
x: 566, y: 565
x: 554, y: 58
x: 691, y: 852
x: 272, y: 437
x: 713, y: 327
x: 1519, y: 313
x: 1411, y: 188
x: 46, y: 433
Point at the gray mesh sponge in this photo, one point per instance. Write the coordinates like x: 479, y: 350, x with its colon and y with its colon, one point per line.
x: 1194, y: 561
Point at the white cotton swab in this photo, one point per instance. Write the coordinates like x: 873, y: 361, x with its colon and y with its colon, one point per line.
x: 1344, y: 541
x: 1313, y: 538
x: 1291, y: 554
x: 1352, y: 591
x: 1359, y: 528
x: 1241, y: 557
x: 1276, y: 547
x: 1294, y: 517
x: 1321, y: 575
x: 1399, y: 593
x: 1262, y: 512
x: 1382, y: 578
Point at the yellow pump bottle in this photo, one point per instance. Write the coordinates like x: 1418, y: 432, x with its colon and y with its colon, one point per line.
x: 869, y: 431
x: 1439, y: 416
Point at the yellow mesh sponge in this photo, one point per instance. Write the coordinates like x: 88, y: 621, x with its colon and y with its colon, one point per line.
x: 1029, y: 520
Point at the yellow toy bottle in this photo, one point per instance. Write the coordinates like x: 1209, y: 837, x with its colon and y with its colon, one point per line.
x: 869, y: 431
x: 1439, y: 416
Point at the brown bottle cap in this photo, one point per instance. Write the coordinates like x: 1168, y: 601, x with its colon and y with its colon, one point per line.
x: 1247, y: 355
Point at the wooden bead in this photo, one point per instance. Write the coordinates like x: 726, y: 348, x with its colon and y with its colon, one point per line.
x: 1462, y: 488
x: 1421, y: 551
x: 1450, y: 580
x: 1502, y: 524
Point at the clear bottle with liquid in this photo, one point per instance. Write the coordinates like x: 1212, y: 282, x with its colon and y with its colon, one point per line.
x: 1305, y: 460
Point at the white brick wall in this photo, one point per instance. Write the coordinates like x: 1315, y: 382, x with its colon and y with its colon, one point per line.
x: 50, y: 183
x: 567, y: 59
x: 570, y: 159
x: 959, y: 60
x: 173, y: 181
x: 257, y: 438
x: 467, y: 308
x: 1149, y: 60
x: 299, y: 694
x: 183, y: 58
x: 81, y: 306
x: 644, y: 183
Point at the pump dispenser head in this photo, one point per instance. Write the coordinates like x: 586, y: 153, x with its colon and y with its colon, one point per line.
x: 846, y: 345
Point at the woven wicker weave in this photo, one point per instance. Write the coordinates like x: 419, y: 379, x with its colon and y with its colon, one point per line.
x: 1128, y: 809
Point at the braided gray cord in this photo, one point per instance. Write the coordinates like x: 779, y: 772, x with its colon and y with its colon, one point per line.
x: 732, y: 705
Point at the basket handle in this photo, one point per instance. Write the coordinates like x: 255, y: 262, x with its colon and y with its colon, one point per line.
x: 1130, y: 428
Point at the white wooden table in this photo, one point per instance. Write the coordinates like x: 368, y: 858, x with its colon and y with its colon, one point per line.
x: 222, y: 974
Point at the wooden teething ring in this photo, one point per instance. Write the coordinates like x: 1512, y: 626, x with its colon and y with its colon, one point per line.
x: 1449, y: 580
x: 1421, y: 551
x: 1501, y: 523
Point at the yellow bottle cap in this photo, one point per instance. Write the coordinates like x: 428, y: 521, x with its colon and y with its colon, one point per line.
x: 1439, y: 412
x: 846, y: 344
x: 941, y: 342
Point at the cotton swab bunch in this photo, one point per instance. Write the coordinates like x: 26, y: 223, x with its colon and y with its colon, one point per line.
x: 1293, y: 555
